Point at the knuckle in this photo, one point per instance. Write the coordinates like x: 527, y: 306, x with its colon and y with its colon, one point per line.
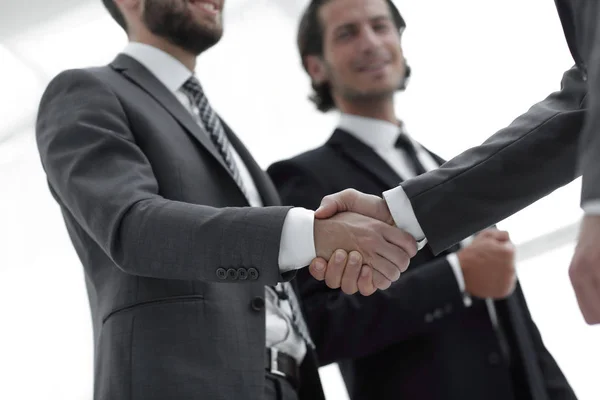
x: 370, y: 243
x: 317, y: 275
x: 354, y: 259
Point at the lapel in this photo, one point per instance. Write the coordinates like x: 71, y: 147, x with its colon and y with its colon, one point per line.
x: 139, y: 75
x: 439, y: 160
x: 263, y: 183
x: 365, y: 157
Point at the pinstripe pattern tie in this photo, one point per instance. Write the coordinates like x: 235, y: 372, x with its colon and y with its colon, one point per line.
x: 297, y: 318
x: 212, y: 124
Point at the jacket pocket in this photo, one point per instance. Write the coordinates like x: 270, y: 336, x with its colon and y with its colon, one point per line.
x: 153, y: 302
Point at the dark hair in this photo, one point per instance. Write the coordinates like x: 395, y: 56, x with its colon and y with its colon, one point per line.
x: 310, y: 42
x: 115, y: 13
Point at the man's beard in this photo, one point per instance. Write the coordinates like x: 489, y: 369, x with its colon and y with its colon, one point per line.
x: 351, y: 93
x: 172, y: 20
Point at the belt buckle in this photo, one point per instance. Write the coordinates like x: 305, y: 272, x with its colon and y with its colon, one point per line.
x: 275, y: 363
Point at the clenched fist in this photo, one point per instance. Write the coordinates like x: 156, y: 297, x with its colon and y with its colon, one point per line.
x: 488, y: 265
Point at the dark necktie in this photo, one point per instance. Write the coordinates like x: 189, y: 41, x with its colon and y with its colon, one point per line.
x: 213, y: 125
x: 403, y: 142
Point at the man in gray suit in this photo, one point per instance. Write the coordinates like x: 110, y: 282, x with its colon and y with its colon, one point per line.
x: 545, y: 148
x: 182, y: 275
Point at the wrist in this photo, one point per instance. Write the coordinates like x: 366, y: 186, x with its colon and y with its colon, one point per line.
x: 321, y: 232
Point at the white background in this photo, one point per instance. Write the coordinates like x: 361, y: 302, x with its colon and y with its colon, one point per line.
x: 476, y: 66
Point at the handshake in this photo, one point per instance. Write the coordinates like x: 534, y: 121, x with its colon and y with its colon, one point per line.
x: 356, y: 233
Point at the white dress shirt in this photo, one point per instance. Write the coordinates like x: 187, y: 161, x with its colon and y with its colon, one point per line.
x: 297, y: 247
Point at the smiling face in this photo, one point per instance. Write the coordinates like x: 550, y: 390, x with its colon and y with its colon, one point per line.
x: 362, y: 57
x: 194, y: 25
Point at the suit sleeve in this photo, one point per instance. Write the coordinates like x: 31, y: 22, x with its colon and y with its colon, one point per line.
x: 589, y: 160
x: 102, y: 178
x: 520, y: 164
x: 345, y: 326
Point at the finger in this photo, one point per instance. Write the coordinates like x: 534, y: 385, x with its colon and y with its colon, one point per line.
x: 385, y: 267
x: 587, y: 292
x: 501, y: 236
x: 334, y: 204
x: 595, y: 302
x: 335, y: 269
x: 587, y: 300
x: 401, y: 239
x: 397, y: 257
x: 365, y: 281
x: 380, y: 281
x: 351, y: 273
x: 317, y: 268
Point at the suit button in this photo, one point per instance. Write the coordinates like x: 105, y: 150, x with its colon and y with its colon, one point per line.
x: 221, y: 273
x: 258, y: 303
x: 232, y: 274
x: 429, y: 318
x: 437, y: 314
x: 242, y: 274
x: 253, y: 273
x: 494, y: 358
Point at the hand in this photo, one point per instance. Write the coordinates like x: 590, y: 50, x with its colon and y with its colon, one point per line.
x: 340, y: 272
x: 384, y: 248
x: 585, y: 269
x: 357, y: 202
x: 488, y: 265
x: 346, y: 271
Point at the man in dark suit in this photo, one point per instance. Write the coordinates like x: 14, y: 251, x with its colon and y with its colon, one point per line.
x: 436, y: 333
x: 188, y: 285
x: 555, y: 141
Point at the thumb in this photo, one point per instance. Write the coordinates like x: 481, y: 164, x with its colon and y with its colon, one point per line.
x: 501, y: 236
x: 331, y: 205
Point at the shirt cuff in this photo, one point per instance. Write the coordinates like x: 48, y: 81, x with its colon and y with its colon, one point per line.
x: 460, y: 279
x: 404, y: 215
x: 297, y: 246
x: 591, y: 207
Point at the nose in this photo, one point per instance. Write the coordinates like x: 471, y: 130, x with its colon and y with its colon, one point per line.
x: 369, y: 40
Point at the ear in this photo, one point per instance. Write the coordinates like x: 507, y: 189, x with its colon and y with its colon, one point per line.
x: 316, y: 69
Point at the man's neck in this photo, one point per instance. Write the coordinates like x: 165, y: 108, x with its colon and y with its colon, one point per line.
x: 383, y: 110
x: 186, y: 58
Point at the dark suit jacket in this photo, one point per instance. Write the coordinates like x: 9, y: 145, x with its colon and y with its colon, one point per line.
x: 542, y: 150
x: 175, y: 262
x: 415, y: 340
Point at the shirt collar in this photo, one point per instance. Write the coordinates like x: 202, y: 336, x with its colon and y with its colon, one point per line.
x: 167, y: 69
x: 375, y: 133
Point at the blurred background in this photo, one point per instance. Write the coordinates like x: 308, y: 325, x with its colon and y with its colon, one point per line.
x: 476, y: 66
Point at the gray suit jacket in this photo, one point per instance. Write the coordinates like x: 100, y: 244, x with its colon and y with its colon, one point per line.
x: 175, y: 262
x: 542, y: 150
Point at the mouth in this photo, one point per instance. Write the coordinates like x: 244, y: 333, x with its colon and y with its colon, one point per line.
x: 212, y: 7
x: 373, y: 67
